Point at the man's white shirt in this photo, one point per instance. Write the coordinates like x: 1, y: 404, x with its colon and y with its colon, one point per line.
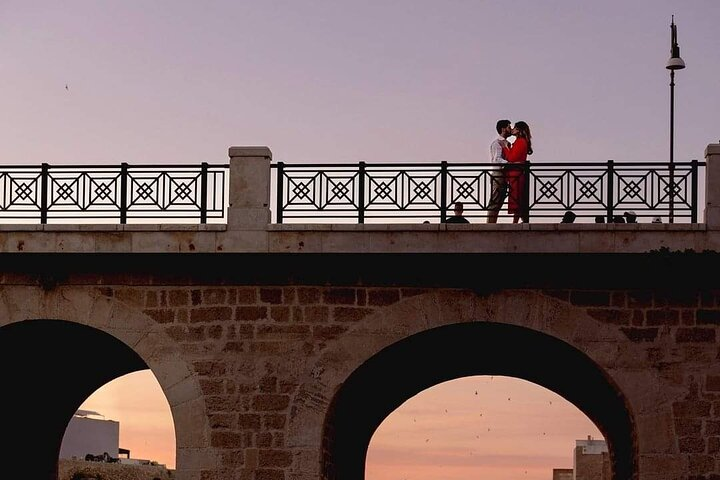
x: 496, y: 153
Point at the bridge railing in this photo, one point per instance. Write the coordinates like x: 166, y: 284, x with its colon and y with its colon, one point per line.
x: 356, y: 193
x: 415, y: 192
x: 113, y: 194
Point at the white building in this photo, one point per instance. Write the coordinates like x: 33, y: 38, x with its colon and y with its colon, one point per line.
x: 86, y: 433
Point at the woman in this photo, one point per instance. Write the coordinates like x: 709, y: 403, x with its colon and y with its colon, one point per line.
x: 516, y: 155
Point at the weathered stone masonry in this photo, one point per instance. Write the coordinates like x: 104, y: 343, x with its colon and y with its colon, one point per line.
x: 266, y: 361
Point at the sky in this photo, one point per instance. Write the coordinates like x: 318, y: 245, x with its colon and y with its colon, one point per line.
x: 485, y: 427
x: 179, y: 81
x: 343, y: 81
x: 138, y: 403
x: 495, y: 427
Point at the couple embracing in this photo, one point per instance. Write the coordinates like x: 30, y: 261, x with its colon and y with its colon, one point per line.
x: 507, y: 173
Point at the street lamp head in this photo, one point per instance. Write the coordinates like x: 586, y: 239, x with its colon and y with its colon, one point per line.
x: 675, y: 63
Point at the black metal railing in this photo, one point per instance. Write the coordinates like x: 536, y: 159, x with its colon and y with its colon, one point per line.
x: 113, y: 194
x: 416, y: 192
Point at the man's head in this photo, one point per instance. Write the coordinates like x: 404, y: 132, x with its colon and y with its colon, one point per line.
x: 503, y: 128
x: 459, y: 207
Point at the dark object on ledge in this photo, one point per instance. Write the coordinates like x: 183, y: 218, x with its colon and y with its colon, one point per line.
x: 569, y: 217
x: 630, y: 217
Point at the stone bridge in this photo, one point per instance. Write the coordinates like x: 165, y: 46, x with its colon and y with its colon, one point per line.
x: 271, y: 341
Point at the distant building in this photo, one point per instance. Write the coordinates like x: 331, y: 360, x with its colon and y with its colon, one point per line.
x: 591, y: 460
x: 562, y: 474
x: 87, y: 434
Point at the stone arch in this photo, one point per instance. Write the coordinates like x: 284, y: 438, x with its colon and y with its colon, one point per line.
x: 49, y: 336
x: 448, y: 334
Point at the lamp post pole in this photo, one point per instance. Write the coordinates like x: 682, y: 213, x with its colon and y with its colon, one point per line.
x: 672, y: 147
x: 675, y: 63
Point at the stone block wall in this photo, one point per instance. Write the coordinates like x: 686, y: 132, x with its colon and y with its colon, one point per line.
x: 251, y: 371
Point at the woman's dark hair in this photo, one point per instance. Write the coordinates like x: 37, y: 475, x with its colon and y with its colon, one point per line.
x: 525, y: 133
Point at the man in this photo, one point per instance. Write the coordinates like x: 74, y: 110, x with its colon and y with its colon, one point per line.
x: 498, y: 189
x: 458, y: 214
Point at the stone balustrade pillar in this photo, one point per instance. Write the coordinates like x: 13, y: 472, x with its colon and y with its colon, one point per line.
x: 249, y: 203
x: 712, y: 186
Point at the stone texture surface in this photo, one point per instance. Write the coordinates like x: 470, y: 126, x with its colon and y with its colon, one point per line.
x: 250, y: 371
x: 250, y: 232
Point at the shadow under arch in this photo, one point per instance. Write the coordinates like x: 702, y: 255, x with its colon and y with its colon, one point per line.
x: 401, y: 370
x: 49, y: 367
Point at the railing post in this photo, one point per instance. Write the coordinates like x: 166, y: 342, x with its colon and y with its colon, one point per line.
x: 610, y: 190
x: 203, y: 192
x: 280, y: 182
x: 712, y: 186
x: 123, y: 192
x: 671, y: 216
x: 443, y: 191
x: 694, y: 193
x: 361, y: 192
x: 44, y: 174
x: 526, y: 189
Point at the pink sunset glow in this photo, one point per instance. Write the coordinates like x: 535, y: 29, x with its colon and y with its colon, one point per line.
x: 139, y: 404
x: 474, y: 427
x: 478, y: 427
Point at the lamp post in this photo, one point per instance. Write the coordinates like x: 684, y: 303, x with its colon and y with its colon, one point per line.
x: 675, y: 63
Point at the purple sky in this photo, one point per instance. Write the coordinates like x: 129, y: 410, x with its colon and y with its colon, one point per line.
x: 337, y: 81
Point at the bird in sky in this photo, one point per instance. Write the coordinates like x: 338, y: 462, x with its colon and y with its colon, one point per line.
x: 66, y: 87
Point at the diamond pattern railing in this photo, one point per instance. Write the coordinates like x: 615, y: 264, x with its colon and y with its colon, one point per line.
x: 113, y: 194
x: 378, y: 193
x: 361, y: 193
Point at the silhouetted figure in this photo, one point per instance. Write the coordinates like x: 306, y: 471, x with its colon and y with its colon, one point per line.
x: 600, y: 219
x: 457, y: 214
x: 630, y: 217
x: 569, y: 217
x: 618, y: 219
x: 657, y: 220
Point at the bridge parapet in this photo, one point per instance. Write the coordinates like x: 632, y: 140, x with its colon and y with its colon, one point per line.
x: 249, y: 228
